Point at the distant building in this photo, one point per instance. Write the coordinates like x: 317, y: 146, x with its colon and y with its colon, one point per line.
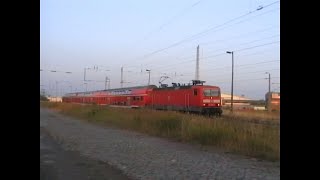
x: 259, y: 108
x: 239, y: 102
x: 242, y: 103
x: 228, y: 97
x: 55, y: 99
x: 273, y: 101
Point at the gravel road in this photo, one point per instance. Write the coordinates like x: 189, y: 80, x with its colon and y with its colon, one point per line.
x: 141, y: 156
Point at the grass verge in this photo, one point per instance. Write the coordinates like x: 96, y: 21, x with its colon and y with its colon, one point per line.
x: 228, y: 132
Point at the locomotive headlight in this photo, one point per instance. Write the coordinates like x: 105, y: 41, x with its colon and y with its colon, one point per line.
x: 204, y: 104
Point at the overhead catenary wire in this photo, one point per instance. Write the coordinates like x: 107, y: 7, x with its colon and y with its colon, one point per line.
x: 237, y: 80
x: 181, y: 74
x: 238, y: 73
x: 237, y: 66
x: 205, y: 31
x: 225, y: 48
x: 228, y: 39
x: 171, y: 19
x: 220, y: 54
x: 216, y: 55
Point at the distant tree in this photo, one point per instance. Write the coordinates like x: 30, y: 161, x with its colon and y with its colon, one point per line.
x: 258, y: 102
x: 43, y: 98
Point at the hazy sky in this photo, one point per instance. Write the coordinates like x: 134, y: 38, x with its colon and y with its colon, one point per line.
x: 161, y: 36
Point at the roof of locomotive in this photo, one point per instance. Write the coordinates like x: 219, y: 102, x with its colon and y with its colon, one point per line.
x: 184, y: 87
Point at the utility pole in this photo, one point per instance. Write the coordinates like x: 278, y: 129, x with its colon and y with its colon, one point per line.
x: 148, y: 70
x: 43, y: 92
x: 105, y: 85
x: 231, y: 52
x: 56, y: 91
x: 232, y: 84
x: 197, y: 64
x: 107, y: 82
x: 269, y: 83
x: 269, y: 87
x: 121, y: 82
x: 86, y: 86
x: 84, y: 75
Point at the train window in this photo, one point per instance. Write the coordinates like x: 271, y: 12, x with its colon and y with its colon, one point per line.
x: 195, y: 92
x: 141, y: 98
x: 211, y: 92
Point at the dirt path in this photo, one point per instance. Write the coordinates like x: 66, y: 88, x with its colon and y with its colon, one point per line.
x: 57, y: 163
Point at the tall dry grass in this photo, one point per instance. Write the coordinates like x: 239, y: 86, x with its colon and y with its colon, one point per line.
x: 227, y: 132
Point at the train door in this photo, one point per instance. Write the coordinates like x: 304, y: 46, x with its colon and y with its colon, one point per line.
x: 128, y: 101
x: 186, y: 102
x: 153, y: 97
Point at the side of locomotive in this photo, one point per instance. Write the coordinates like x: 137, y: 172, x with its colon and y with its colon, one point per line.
x: 193, y: 98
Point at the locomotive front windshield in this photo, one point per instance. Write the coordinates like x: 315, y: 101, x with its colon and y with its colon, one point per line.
x: 211, y: 92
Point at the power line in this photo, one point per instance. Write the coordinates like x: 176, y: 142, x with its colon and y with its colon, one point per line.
x: 244, y: 43
x: 241, y: 21
x: 216, y: 55
x: 189, y: 57
x: 262, y: 62
x: 68, y: 72
x: 171, y: 19
x: 187, y: 74
x: 259, y: 71
x: 235, y: 37
x: 227, y: 73
x: 219, y: 82
x: 205, y: 31
x: 259, y: 52
x: 239, y: 36
x: 237, y: 80
x: 170, y: 67
x: 240, y: 50
x: 260, y: 39
x: 256, y: 46
x: 221, y: 54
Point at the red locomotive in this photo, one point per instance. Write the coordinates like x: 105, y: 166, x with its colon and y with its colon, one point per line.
x: 196, y: 98
x: 191, y: 98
